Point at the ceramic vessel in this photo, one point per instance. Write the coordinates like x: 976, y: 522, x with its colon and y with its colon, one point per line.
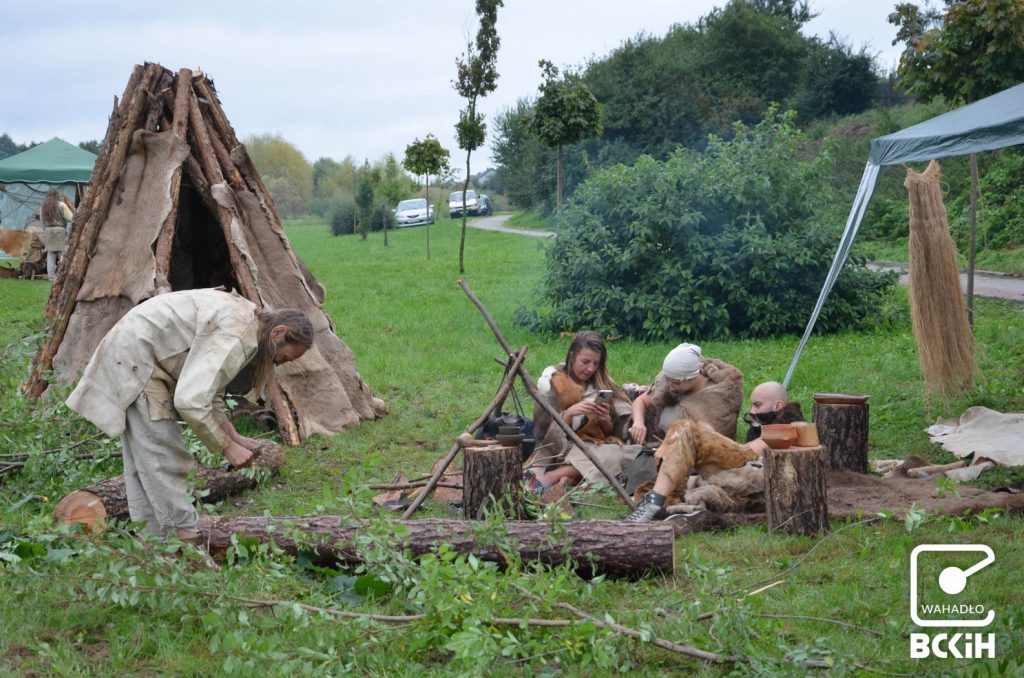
x: 841, y: 398
x: 806, y: 434
x: 778, y: 436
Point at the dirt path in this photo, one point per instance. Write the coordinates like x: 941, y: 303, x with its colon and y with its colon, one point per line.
x: 497, y: 223
x: 986, y: 283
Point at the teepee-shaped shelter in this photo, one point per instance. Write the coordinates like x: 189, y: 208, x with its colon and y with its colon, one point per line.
x: 176, y: 203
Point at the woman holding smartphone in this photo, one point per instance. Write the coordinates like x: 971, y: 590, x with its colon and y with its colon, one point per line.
x: 587, y: 399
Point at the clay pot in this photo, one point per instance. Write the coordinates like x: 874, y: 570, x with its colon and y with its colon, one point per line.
x: 778, y: 436
x: 806, y: 434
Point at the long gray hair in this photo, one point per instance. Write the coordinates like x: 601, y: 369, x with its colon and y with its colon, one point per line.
x: 300, y: 331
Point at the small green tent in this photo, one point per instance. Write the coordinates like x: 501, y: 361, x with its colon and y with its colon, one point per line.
x: 26, y: 177
x: 996, y: 121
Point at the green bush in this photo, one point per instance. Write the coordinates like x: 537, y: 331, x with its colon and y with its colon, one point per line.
x: 715, y: 244
x: 343, y: 217
x: 380, y: 215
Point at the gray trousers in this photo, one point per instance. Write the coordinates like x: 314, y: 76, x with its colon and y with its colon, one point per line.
x: 156, y: 468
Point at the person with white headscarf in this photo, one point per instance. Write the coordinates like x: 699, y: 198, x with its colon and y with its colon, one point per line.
x: 689, y: 386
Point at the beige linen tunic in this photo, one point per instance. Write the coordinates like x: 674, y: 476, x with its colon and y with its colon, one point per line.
x: 181, y: 349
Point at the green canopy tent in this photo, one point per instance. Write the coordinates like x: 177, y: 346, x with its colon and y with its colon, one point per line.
x: 26, y: 177
x: 985, y: 125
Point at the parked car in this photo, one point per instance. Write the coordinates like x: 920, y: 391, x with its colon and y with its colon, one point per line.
x: 485, y: 206
x: 414, y: 211
x: 455, y: 204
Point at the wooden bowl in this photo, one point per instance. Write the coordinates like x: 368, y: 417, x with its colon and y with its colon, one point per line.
x: 840, y: 398
x: 779, y: 436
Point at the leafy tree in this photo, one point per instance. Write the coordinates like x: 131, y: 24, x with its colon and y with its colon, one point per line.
x: 287, y: 173
x: 834, y: 80
x: 723, y: 243
x: 425, y: 158
x: 93, y: 146
x: 8, y: 147
x: 973, y: 50
x: 565, y: 113
x: 476, y: 77
x: 523, y: 162
x: 332, y: 182
x: 366, y: 179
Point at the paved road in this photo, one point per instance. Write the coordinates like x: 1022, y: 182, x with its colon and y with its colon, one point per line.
x: 986, y: 283
x: 497, y: 223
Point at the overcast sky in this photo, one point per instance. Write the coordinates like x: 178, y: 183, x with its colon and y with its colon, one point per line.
x: 335, y: 79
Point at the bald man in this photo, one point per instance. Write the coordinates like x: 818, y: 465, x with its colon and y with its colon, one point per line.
x: 690, y: 445
x: 769, y: 404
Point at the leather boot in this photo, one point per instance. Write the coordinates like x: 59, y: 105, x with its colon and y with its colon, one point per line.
x: 650, y: 507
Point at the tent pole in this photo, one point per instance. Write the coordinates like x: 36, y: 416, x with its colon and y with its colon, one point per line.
x: 973, y: 245
x: 860, y: 202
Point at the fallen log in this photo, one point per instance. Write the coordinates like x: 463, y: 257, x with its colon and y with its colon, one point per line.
x: 610, y: 547
x: 92, y: 506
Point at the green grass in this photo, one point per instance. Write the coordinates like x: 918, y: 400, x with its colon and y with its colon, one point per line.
x: 531, y: 219
x: 423, y: 347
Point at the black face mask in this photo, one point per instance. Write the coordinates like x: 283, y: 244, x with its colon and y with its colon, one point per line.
x: 760, y: 418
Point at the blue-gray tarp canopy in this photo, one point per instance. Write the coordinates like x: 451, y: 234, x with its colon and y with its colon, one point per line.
x: 990, y: 123
x: 27, y: 176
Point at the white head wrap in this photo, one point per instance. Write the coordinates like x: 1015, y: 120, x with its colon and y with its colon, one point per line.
x: 682, y: 362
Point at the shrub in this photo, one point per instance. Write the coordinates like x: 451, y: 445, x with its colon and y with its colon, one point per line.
x: 381, y: 214
x: 715, y: 244
x: 343, y: 218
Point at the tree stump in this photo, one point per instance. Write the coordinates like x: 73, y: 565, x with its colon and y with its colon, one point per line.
x: 794, y: 490
x: 843, y: 431
x: 491, y: 480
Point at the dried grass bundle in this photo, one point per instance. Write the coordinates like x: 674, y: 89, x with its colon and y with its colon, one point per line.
x: 945, y: 345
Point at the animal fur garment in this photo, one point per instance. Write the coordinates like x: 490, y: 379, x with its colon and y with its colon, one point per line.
x: 691, y: 445
x: 568, y: 393
x: 945, y: 346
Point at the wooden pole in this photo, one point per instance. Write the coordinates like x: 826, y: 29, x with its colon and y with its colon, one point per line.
x: 499, y: 397
x: 179, y: 127
x: 609, y: 547
x: 794, y: 490
x: 555, y: 416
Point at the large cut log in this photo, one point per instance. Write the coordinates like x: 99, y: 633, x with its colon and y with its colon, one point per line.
x: 843, y: 431
x: 93, y: 505
x: 795, y: 498
x: 492, y: 478
x: 610, y: 547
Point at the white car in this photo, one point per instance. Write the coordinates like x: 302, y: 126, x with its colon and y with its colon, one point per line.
x: 455, y: 204
x: 414, y: 211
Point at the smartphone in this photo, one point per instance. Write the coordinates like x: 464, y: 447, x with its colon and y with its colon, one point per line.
x: 603, y: 396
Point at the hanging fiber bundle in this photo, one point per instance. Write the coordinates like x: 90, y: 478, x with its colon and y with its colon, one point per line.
x: 945, y: 345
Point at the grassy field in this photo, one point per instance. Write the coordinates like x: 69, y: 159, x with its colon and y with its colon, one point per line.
x: 113, y: 606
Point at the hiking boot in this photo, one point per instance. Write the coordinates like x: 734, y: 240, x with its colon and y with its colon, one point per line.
x: 651, y: 507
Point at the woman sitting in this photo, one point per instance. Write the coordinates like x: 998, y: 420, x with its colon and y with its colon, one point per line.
x: 572, y: 389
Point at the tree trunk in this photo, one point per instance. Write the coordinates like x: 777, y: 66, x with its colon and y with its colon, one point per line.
x: 492, y: 477
x: 427, y: 183
x: 92, y: 505
x: 843, y: 432
x: 465, y: 217
x: 384, y: 221
x: 794, y: 490
x: 558, y: 186
x: 973, y: 242
x: 610, y: 547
